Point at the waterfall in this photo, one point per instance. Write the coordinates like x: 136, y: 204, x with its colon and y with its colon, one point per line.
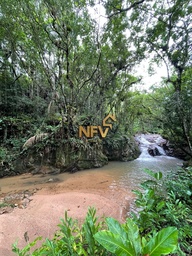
x: 150, y: 145
x: 161, y: 150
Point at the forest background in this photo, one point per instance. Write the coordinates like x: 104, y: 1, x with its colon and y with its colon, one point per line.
x: 59, y: 68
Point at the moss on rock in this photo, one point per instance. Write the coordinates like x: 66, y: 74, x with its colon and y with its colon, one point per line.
x: 121, y: 148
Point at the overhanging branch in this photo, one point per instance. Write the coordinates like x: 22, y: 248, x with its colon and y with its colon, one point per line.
x: 126, y: 9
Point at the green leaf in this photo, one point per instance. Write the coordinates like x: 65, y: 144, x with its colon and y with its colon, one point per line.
x: 143, y: 241
x: 116, y: 228
x: 156, y: 175
x: 138, y: 193
x: 160, y: 205
x: 163, y: 243
x: 148, y: 183
x: 113, y: 243
x: 90, y: 228
x: 134, y: 236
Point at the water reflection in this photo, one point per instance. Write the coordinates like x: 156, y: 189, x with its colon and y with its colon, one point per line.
x: 130, y: 174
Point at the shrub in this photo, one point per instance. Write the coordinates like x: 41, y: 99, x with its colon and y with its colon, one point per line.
x: 166, y: 205
x: 102, y: 238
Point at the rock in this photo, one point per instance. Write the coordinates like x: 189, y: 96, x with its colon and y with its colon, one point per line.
x: 187, y: 163
x: 6, y: 209
x: 12, y: 200
x: 121, y: 148
x: 63, y: 156
x: 153, y: 151
x: 25, y: 203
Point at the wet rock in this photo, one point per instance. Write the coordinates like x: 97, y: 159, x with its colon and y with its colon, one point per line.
x: 187, y: 163
x: 15, y: 200
x: 121, y: 148
x: 82, y: 154
x: 172, y: 150
x: 153, y: 151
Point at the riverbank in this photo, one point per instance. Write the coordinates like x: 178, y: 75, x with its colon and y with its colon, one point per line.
x: 50, y: 196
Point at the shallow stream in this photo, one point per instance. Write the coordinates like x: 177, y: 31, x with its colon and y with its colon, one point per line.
x: 127, y: 175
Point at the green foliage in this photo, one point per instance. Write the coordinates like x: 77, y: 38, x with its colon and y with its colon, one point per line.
x: 92, y: 239
x: 165, y: 242
x: 14, y: 132
x: 120, y: 146
x: 115, y: 141
x: 168, y: 204
x: 178, y: 116
x: 3, y: 153
x: 26, y: 250
x: 162, y: 211
x: 161, y: 23
x: 72, y: 239
x: 3, y: 204
x: 180, y: 184
x: 126, y: 240
x: 45, y: 63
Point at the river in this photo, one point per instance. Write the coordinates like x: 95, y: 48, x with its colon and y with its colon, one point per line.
x: 125, y: 175
x: 120, y: 175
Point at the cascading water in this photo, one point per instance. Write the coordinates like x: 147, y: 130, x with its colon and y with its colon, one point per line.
x: 130, y: 174
x: 143, y: 145
x: 161, y: 150
x: 150, y: 146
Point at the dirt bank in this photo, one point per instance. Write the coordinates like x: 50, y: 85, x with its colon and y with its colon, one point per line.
x: 53, y: 196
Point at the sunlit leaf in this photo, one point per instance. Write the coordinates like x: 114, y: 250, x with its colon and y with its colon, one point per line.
x: 163, y: 243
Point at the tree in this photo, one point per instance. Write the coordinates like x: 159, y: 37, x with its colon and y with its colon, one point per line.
x: 65, y: 59
x: 170, y: 39
x: 163, y: 29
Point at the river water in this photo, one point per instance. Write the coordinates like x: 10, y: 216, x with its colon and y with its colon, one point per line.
x: 126, y: 175
x: 121, y: 175
x: 130, y: 174
x: 113, y: 182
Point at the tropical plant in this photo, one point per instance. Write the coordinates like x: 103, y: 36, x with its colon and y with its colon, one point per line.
x: 92, y: 239
x: 72, y: 239
x: 164, y: 203
x: 125, y: 240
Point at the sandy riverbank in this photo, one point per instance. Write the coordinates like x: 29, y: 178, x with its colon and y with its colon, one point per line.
x: 72, y: 193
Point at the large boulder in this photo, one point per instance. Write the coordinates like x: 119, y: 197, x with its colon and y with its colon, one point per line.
x: 53, y: 155
x: 121, y: 148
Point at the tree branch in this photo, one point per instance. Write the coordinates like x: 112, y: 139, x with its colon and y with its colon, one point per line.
x: 126, y: 9
x: 91, y: 76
